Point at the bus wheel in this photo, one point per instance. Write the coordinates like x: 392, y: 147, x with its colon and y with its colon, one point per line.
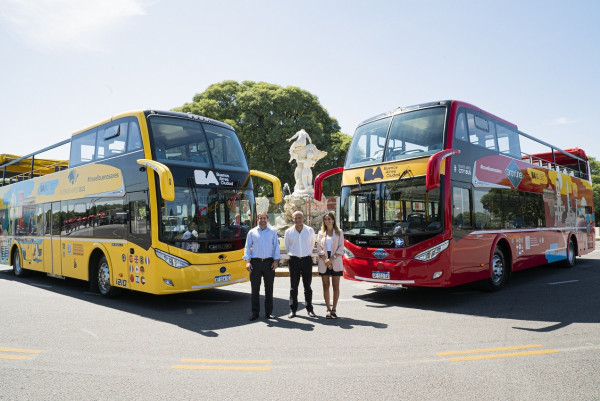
x: 103, y: 279
x: 17, y: 267
x: 570, y: 261
x: 499, y: 271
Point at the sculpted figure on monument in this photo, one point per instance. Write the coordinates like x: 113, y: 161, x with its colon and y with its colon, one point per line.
x: 306, y: 156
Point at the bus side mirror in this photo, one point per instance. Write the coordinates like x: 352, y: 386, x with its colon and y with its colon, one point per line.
x: 434, y: 167
x: 318, y: 186
x: 165, y: 178
x: 271, y: 178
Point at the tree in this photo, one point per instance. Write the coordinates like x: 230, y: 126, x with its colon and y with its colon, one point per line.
x: 264, y: 115
x: 595, y: 172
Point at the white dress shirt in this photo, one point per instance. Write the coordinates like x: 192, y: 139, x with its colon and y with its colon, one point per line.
x: 261, y: 244
x: 300, y: 244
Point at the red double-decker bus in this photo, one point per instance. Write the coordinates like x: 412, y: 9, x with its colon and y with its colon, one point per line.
x: 444, y: 193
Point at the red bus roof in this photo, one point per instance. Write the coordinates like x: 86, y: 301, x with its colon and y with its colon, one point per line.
x: 561, y: 158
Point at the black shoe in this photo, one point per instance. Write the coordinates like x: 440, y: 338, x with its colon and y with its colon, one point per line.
x: 253, y: 316
x: 311, y: 314
x: 269, y: 316
x: 292, y: 314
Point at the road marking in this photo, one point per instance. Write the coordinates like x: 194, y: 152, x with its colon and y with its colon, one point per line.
x: 508, y: 355
x: 563, y: 282
x: 3, y: 356
x: 475, y: 351
x: 206, y: 367
x: 89, y: 332
x: 494, y: 356
x: 224, y: 364
x: 18, y: 351
x: 22, y: 351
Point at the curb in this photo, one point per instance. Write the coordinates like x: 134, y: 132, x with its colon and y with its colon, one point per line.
x: 285, y: 272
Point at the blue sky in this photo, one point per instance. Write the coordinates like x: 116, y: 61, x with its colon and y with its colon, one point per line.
x: 69, y: 63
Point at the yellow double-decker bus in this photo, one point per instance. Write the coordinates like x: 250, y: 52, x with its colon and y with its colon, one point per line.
x: 151, y: 201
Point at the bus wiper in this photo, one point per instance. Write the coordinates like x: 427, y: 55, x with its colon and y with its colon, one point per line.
x: 192, y: 185
x: 398, y: 181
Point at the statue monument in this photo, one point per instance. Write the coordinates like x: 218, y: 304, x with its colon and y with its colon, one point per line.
x: 306, y: 156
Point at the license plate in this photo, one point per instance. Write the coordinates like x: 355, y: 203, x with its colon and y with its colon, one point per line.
x: 381, y: 275
x: 225, y: 277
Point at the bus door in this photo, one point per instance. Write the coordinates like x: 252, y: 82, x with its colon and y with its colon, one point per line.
x: 47, y: 239
x: 55, y: 240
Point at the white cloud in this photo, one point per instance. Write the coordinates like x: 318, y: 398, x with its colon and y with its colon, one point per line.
x: 561, y: 121
x: 60, y: 24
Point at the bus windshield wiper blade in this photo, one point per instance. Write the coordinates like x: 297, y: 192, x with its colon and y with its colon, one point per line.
x: 399, y: 180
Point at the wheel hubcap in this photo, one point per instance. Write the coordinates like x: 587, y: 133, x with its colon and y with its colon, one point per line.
x: 571, y: 254
x: 497, y: 269
x: 103, y: 278
x: 17, y: 264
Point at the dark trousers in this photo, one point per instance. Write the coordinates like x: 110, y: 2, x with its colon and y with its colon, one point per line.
x: 262, y: 268
x: 300, y: 267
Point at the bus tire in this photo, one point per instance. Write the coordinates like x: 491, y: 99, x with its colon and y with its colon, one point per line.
x: 499, y: 271
x: 571, y: 254
x: 18, y: 269
x: 103, y: 279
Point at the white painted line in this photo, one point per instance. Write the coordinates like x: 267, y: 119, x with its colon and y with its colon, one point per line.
x: 89, y: 332
x: 203, y: 301
x: 563, y: 282
x: 42, y: 285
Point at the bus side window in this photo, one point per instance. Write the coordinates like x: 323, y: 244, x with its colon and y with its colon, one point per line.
x: 460, y: 129
x: 83, y: 148
x: 134, y: 141
x: 461, y: 207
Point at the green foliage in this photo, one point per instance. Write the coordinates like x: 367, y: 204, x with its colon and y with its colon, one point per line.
x: 595, y: 172
x: 264, y: 115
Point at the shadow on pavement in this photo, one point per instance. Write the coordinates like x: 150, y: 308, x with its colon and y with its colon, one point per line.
x: 204, y: 312
x: 549, y: 294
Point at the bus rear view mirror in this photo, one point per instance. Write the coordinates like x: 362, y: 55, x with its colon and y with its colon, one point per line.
x: 165, y: 178
x: 434, y: 167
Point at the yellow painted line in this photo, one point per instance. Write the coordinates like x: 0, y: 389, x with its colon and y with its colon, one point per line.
x: 478, y: 351
x: 20, y: 357
x: 22, y: 351
x: 207, y: 367
x: 509, y: 355
x: 225, y: 361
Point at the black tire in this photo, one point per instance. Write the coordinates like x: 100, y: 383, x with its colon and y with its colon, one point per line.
x: 18, y: 269
x: 102, y: 278
x: 570, y: 261
x: 499, y: 272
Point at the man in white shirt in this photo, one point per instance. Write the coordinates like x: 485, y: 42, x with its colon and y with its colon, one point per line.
x: 299, y: 244
x: 262, y: 258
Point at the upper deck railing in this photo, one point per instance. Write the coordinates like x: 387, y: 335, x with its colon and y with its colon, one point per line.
x: 15, y: 168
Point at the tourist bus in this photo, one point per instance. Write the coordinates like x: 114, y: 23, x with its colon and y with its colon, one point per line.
x: 444, y: 193
x: 152, y: 201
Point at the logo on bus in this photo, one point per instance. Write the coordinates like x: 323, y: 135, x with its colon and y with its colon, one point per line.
x: 205, y: 178
x: 73, y: 176
x: 219, y: 247
x: 514, y: 174
x: 380, y: 254
x: 381, y: 242
x: 371, y: 174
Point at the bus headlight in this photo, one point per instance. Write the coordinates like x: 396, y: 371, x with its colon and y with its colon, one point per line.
x: 174, y: 261
x: 348, y: 254
x: 432, y: 252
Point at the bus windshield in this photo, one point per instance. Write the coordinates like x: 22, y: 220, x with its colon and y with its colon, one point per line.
x: 401, y: 208
x: 405, y: 135
x: 199, y: 214
x: 194, y: 143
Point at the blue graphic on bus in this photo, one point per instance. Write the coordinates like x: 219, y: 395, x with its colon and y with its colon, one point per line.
x: 554, y: 254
